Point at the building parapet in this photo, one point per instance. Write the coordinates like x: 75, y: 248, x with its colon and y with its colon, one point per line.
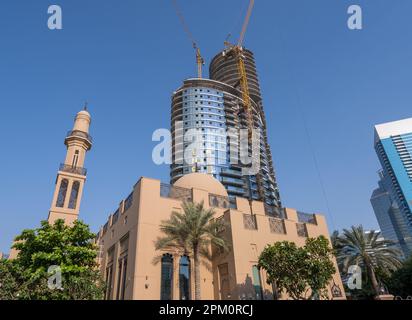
x: 173, y: 192
x: 306, y: 217
x: 220, y: 202
x: 275, y: 211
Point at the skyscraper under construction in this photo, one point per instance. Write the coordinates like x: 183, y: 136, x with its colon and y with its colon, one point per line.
x: 210, y: 108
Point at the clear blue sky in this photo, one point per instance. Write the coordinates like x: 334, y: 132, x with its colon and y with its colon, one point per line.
x: 126, y: 57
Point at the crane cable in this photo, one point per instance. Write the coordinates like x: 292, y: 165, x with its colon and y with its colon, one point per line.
x: 184, y: 24
x: 300, y: 111
x: 238, y: 22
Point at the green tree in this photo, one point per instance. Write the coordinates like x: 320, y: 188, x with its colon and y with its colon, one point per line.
x: 368, y: 251
x: 70, y: 248
x: 193, y: 232
x: 11, y: 283
x: 400, y: 282
x: 297, y: 269
x: 320, y: 268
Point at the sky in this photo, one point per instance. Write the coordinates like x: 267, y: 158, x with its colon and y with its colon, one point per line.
x: 324, y: 88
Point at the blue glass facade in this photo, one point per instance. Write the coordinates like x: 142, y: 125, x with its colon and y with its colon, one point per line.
x: 390, y: 219
x: 204, y: 115
x: 393, y: 145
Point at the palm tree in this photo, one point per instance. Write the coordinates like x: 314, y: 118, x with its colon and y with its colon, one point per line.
x: 192, y: 231
x: 368, y: 251
x: 335, y: 239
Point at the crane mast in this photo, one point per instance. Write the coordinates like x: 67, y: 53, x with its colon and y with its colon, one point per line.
x: 237, y: 52
x: 199, y: 61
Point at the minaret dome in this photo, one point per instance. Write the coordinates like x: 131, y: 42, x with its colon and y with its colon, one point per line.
x: 82, y: 121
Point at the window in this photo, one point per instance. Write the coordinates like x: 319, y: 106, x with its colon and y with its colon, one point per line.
x: 62, y: 193
x: 257, y: 283
x: 215, y: 202
x: 122, y: 269
x: 74, y: 194
x: 184, y: 278
x: 109, y: 273
x: 166, y: 277
x: 75, y: 159
x: 249, y: 222
x: 119, y: 278
x: 301, y: 230
x: 224, y: 281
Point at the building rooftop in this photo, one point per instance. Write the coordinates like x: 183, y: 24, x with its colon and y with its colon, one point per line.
x: 395, y: 128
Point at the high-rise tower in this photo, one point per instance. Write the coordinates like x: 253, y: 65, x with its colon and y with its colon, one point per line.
x: 72, y: 174
x: 224, y: 68
x: 213, y: 107
x: 393, y: 144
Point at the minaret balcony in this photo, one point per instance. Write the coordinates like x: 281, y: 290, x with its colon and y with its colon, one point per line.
x: 79, y: 134
x: 72, y: 169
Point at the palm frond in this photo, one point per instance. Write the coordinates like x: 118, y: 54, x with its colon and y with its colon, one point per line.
x: 367, y: 250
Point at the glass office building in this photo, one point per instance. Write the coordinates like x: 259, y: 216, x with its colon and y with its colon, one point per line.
x: 207, y: 111
x: 392, y: 201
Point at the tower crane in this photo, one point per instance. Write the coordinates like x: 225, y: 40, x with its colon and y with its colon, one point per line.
x: 237, y: 52
x: 199, y: 59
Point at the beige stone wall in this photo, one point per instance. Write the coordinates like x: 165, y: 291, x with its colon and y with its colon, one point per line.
x: 230, y: 276
x: 248, y: 244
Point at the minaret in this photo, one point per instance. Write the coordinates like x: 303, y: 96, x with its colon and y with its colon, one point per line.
x: 72, y: 174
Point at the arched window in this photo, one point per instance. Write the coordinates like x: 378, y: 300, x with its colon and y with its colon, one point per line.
x: 257, y: 283
x: 166, y: 284
x: 62, y: 193
x: 184, y: 278
x: 74, y: 194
